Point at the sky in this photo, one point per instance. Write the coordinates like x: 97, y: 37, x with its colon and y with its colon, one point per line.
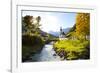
x: 52, y: 21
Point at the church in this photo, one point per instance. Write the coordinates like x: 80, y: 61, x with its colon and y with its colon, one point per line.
x: 62, y: 34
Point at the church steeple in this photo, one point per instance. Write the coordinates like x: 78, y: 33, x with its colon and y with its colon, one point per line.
x: 62, y: 35
x: 61, y: 30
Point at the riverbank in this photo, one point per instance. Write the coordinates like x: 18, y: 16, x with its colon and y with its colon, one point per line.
x: 72, y: 49
x: 47, y: 54
x: 31, y: 45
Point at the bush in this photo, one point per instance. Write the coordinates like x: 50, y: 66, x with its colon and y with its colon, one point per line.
x: 75, y: 49
x: 31, y: 40
x: 31, y: 45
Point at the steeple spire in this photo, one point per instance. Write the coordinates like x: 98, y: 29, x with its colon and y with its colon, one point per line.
x: 61, y: 30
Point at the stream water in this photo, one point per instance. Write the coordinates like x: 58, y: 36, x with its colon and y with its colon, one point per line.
x: 47, y: 54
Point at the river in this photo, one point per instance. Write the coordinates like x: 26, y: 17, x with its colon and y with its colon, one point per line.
x: 47, y: 54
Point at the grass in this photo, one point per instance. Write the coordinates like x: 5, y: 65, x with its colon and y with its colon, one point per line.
x: 75, y: 49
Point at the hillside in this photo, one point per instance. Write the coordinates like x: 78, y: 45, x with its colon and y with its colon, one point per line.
x: 77, y: 46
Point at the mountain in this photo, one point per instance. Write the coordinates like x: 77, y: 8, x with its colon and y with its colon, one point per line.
x: 44, y: 34
x: 65, y: 30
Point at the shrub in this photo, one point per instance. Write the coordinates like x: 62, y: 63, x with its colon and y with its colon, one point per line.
x: 32, y: 40
x: 75, y: 49
x: 31, y: 45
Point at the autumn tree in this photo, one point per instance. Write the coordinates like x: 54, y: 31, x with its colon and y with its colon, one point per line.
x: 82, y: 24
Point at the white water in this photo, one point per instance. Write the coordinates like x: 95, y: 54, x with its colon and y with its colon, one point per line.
x: 47, y: 54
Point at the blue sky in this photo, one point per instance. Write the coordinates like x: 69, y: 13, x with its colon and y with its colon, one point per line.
x: 52, y: 21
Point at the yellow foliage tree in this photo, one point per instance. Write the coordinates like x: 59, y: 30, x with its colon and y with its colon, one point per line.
x: 82, y: 24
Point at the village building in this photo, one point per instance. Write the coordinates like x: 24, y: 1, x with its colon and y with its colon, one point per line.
x: 62, y: 35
